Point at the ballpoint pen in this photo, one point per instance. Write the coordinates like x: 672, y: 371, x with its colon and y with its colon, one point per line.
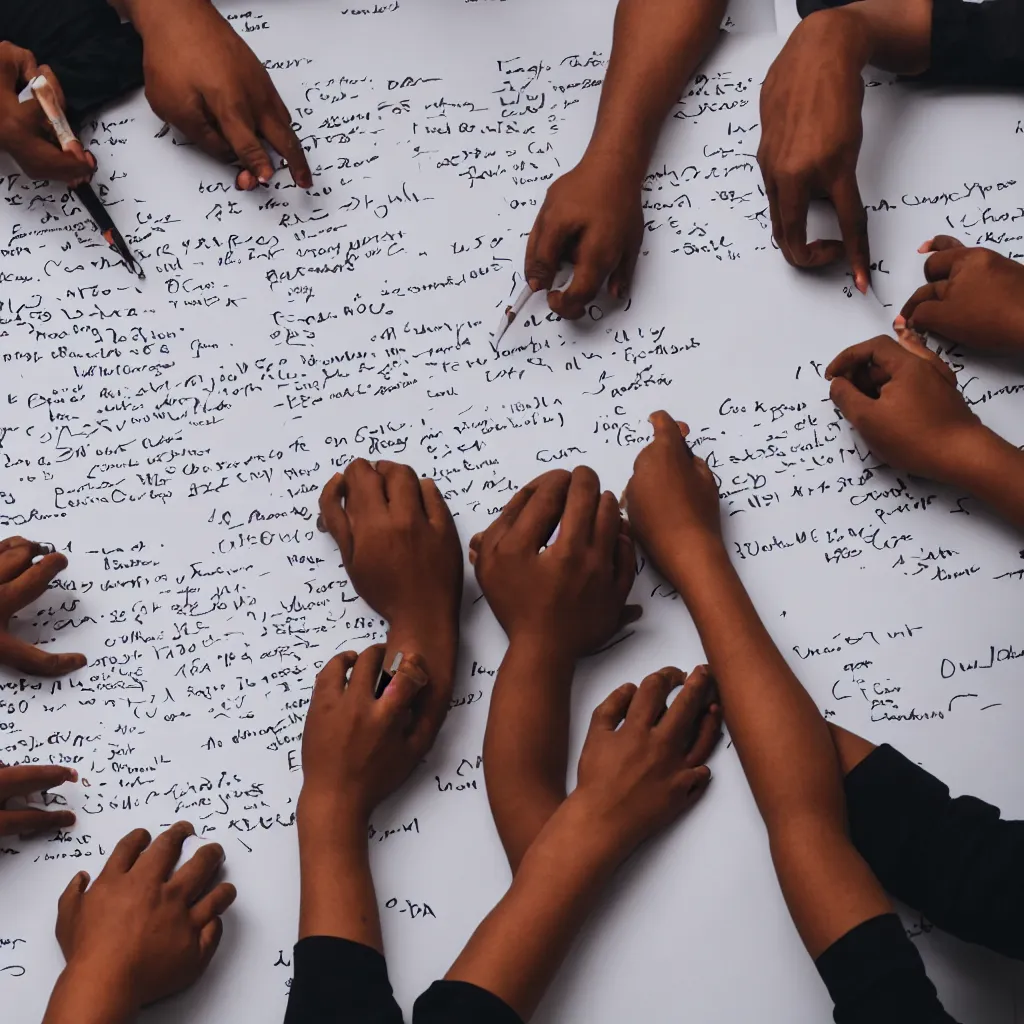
x: 44, y: 93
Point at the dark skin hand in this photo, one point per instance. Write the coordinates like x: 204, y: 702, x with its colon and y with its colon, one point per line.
x: 973, y: 296
x: 141, y: 932
x: 25, y: 132
x: 22, y: 780
x: 21, y: 583
x: 203, y: 79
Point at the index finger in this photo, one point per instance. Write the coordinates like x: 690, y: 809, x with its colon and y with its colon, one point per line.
x: 667, y: 430
x: 591, y: 268
x: 853, y: 223
x: 577, y: 521
x: 684, y: 715
x: 883, y: 351
x: 31, y: 584
x: 164, y: 852
x: 277, y: 130
x: 537, y: 521
x: 239, y: 130
x: 23, y: 779
x: 333, y: 515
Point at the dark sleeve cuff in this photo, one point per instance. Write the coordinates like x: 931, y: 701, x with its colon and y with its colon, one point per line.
x: 977, y: 43
x: 876, y: 976
x: 458, y: 1002
x: 337, y: 981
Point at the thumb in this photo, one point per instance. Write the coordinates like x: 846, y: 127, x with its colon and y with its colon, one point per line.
x: 406, y: 683
x: 71, y: 899
x: 17, y: 66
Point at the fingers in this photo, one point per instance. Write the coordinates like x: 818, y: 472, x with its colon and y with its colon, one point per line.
x: 581, y: 502
x: 508, y: 515
x: 334, y: 675
x: 621, y: 278
x: 591, y: 268
x: 401, y: 485
x: 165, y: 851
x: 17, y: 65
x: 364, y: 490
x: 42, y: 158
x: 649, y: 703
x: 23, y: 657
x: 540, y: 515
x: 667, y: 430
x: 363, y: 680
x: 209, y: 940
x: 238, y: 128
x: 608, y: 524
x: 882, y: 351
x: 434, y: 504
x: 70, y: 899
x: 397, y: 700
x: 940, y: 264
x: 127, y: 851
x: 849, y: 399
x: 277, y: 130
x: 23, y: 779
x: 609, y: 714
x: 682, y: 719
x: 333, y: 517
x: 853, y: 223
x: 214, y: 903
x: 30, y: 823
x: 193, y: 878
x: 625, y: 567
x: 931, y: 292
x: 941, y: 242
x: 708, y: 735
x: 547, y: 242
x: 194, y: 123
x: 695, y: 782
x: 31, y: 584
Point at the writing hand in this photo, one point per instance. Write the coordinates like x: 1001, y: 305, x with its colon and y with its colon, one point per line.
x: 21, y: 583
x: 22, y: 780
x: 811, y: 134
x: 566, y: 596
x: 591, y: 217
x: 973, y: 296
x: 643, y: 763
x: 356, y: 749
x: 672, y: 499
x: 203, y: 79
x: 25, y: 132
x: 903, y: 400
x: 141, y: 931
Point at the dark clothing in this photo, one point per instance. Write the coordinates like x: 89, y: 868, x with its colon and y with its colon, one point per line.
x: 972, y: 43
x: 955, y: 861
x: 342, y: 982
x: 95, y: 57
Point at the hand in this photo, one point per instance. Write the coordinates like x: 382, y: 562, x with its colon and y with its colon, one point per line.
x: 672, y: 498
x: 811, y: 133
x: 569, y: 595
x: 24, y: 779
x: 357, y: 748
x: 25, y: 132
x: 398, y: 543
x: 591, y: 217
x: 903, y: 400
x: 21, y: 583
x: 203, y: 79
x: 642, y: 763
x: 140, y: 932
x: 974, y: 296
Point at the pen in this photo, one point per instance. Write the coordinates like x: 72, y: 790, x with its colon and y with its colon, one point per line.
x: 385, y: 677
x: 511, y: 312
x: 43, y: 92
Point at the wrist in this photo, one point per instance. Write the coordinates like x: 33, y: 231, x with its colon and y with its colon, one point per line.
x: 580, y: 841
x: 845, y: 33
x: 545, y: 650
x: 93, y: 989
x: 980, y: 461
x: 696, y: 561
x: 619, y: 162
x: 146, y: 15
x: 324, y: 815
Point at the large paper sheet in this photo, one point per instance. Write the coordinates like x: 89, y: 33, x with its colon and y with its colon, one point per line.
x: 173, y: 437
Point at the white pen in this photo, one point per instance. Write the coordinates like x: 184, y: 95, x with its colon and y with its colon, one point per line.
x: 511, y: 312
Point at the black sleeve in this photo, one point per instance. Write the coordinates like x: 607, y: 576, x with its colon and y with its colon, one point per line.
x: 94, y: 56
x: 972, y: 43
x: 955, y: 861
x: 458, y: 1002
x: 875, y: 976
x: 336, y: 981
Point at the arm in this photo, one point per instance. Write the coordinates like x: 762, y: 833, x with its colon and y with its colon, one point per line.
x: 905, y: 402
x: 955, y: 860
x: 641, y: 766
x: 593, y: 213
x: 556, y: 602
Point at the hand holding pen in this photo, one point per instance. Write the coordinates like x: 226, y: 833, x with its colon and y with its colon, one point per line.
x: 25, y: 131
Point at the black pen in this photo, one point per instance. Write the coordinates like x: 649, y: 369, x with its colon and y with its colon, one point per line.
x: 43, y: 92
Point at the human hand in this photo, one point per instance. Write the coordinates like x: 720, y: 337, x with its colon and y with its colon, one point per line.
x: 25, y: 132
x: 203, y: 78
x: 592, y: 217
x: 357, y: 749
x: 22, y: 780
x: 142, y: 931
x: 398, y: 543
x: 567, y: 596
x: 672, y: 499
x: 903, y: 400
x: 973, y: 296
x: 21, y: 583
x: 644, y: 764
x: 811, y: 133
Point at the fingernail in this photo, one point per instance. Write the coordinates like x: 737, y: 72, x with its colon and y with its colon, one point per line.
x: 263, y: 179
x: 862, y: 283
x: 307, y: 181
x: 534, y: 284
x: 926, y: 246
x: 899, y: 323
x: 414, y: 673
x: 320, y: 524
x: 72, y: 774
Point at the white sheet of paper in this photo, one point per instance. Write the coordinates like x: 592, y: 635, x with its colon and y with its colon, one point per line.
x: 172, y: 438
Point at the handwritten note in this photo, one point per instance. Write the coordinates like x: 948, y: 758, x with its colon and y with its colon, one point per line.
x: 173, y: 437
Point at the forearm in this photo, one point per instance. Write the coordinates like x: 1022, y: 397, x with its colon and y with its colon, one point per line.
x: 144, y: 13
x: 787, y: 754
x: 993, y: 472
x: 656, y: 48
x: 526, y: 743
x: 517, y: 949
x: 337, y: 894
x: 84, y: 995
